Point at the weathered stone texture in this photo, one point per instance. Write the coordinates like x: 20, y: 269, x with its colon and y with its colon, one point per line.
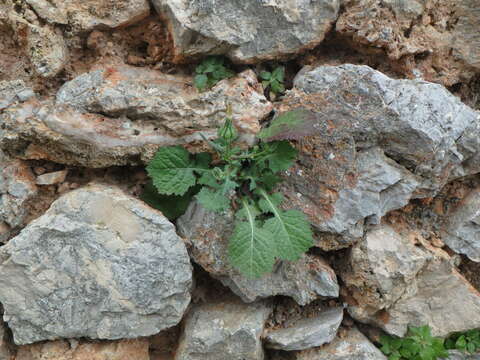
x: 226, y: 330
x: 246, y: 31
x: 207, y: 234
x: 97, y: 264
x: 14, y: 91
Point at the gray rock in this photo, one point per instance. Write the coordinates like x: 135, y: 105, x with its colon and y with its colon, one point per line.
x: 146, y: 110
x: 307, y: 333
x: 459, y: 355
x: 47, y: 50
x: 86, y: 16
x: 97, y: 264
x: 17, y: 187
x: 226, y: 330
x: 248, y: 31
x: 52, y: 178
x: 354, y: 346
x: 462, y: 230
x: 397, y: 284
x: 374, y: 143
x: 466, y: 39
x: 13, y: 91
x: 207, y: 233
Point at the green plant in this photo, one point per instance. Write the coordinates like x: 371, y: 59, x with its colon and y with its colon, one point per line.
x: 210, y: 71
x: 464, y: 341
x: 274, y: 80
x: 242, y: 179
x: 419, y: 344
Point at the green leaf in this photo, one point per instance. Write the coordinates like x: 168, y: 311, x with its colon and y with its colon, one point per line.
x: 172, y: 170
x: 213, y: 200
x: 276, y: 199
x: 279, y: 74
x: 292, y: 124
x: 200, y: 81
x: 283, y: 157
x: 265, y: 75
x: 250, y: 247
x: 291, y: 229
x: 203, y: 160
x: 207, y: 178
x: 461, y: 343
x: 172, y: 206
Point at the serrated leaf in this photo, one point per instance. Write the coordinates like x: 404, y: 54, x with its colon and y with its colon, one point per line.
x: 172, y: 170
x: 276, y: 199
x: 250, y: 247
x: 279, y: 73
x: 292, y: 231
x: 200, y: 81
x: 293, y: 124
x: 213, y: 199
x: 283, y: 156
x: 207, y: 178
x: 172, y: 206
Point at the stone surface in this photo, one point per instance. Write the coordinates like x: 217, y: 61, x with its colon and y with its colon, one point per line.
x: 459, y: 355
x: 248, y: 31
x: 17, y: 187
x: 52, y: 178
x: 47, y: 50
x: 380, y: 141
x: 138, y: 111
x: 207, y: 234
x: 106, y: 350
x: 396, y: 284
x: 437, y: 39
x: 307, y: 333
x: 89, y: 15
x: 226, y: 330
x: 462, y: 229
x: 14, y: 91
x: 354, y: 346
x: 97, y: 264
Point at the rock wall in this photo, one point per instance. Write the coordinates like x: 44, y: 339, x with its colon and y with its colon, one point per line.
x: 387, y: 173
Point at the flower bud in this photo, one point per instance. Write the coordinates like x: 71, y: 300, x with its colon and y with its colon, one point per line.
x: 228, y: 132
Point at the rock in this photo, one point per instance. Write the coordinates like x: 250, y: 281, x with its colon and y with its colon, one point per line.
x: 396, y: 284
x: 462, y: 229
x: 89, y: 15
x: 14, y: 91
x: 106, y: 350
x: 226, y: 330
x: 207, y: 234
x: 5, y: 348
x: 380, y: 141
x: 436, y: 39
x: 47, y: 50
x: 97, y: 264
x: 466, y: 39
x: 354, y: 346
x: 145, y: 109
x: 246, y: 32
x: 17, y: 187
x: 381, y: 267
x: 307, y: 333
x: 459, y: 355
x: 52, y: 178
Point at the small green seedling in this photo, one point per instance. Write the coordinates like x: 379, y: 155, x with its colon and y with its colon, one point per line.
x: 419, y: 344
x: 244, y: 180
x: 274, y: 80
x: 211, y: 71
x: 464, y: 341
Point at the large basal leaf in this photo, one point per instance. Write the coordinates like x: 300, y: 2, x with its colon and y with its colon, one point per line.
x: 291, y: 229
x: 251, y: 248
x: 290, y: 125
x: 213, y: 199
x: 172, y: 170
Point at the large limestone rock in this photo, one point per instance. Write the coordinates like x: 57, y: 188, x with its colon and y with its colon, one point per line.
x: 121, y: 115
x: 226, y: 330
x: 87, y: 15
x: 462, y: 230
x: 62, y: 350
x: 17, y: 188
x: 437, y: 40
x: 14, y: 91
x: 396, y: 283
x: 207, y: 233
x: 354, y: 346
x: 97, y: 264
x: 380, y: 141
x: 460, y: 355
x: 248, y: 31
x: 307, y: 333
